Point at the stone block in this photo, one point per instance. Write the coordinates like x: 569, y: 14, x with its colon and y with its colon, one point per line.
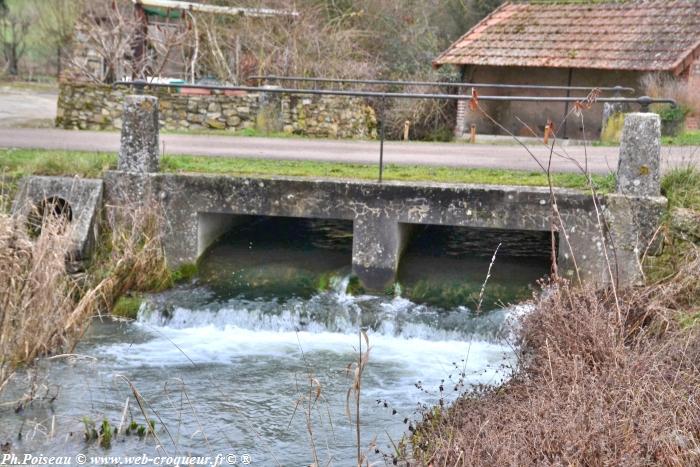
x: 216, y: 124
x: 80, y: 201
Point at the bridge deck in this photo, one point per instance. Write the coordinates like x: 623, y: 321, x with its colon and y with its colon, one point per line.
x: 199, y: 208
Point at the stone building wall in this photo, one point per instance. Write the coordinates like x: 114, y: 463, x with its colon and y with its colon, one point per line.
x: 692, y: 121
x: 85, y: 106
x: 534, y: 115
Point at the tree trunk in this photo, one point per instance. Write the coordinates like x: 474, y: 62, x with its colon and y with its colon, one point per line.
x: 58, y: 62
x: 12, y: 59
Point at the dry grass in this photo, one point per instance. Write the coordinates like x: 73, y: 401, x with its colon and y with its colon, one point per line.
x: 659, y: 85
x: 43, y: 309
x: 130, y: 256
x: 36, y: 293
x: 588, y: 391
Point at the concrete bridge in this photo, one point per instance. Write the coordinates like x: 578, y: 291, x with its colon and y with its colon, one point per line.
x: 200, y: 208
x: 598, y: 239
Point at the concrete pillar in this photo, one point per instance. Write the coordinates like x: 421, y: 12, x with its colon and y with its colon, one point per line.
x: 271, y: 116
x: 139, y: 141
x: 376, y: 250
x: 639, y: 167
x: 461, y: 120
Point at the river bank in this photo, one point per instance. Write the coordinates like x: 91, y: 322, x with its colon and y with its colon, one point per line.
x: 603, y: 378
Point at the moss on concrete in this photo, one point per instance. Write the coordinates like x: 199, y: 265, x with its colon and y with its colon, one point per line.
x: 127, y: 306
x: 613, y: 129
x: 184, y: 273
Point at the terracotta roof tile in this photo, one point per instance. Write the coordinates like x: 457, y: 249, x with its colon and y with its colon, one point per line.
x: 651, y: 35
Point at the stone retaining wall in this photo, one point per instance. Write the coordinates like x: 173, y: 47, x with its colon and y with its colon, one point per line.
x: 97, y: 107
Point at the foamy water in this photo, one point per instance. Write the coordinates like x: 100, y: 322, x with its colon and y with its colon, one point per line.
x: 244, y: 365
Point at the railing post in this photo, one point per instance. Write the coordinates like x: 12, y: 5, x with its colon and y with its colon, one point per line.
x: 140, y: 86
x: 639, y: 167
x: 381, y: 136
x: 139, y: 138
x: 644, y: 103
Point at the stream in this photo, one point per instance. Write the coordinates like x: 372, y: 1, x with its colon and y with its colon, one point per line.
x: 251, y: 358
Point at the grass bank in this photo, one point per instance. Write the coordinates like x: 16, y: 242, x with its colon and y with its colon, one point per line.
x: 15, y: 163
x: 686, y: 138
x: 603, y: 377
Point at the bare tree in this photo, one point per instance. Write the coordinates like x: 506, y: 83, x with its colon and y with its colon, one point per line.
x: 14, y: 26
x: 166, y: 43
x: 105, y: 34
x: 115, y: 40
x: 57, y: 26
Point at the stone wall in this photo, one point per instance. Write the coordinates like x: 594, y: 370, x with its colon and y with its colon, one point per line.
x: 99, y: 107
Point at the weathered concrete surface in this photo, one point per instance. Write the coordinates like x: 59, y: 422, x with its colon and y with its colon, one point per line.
x: 378, y: 242
x: 139, y: 140
x: 381, y: 211
x: 639, y: 166
x: 83, y: 197
x: 632, y: 223
x: 686, y: 224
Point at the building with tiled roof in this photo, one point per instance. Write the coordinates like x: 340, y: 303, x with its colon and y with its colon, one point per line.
x: 581, y: 44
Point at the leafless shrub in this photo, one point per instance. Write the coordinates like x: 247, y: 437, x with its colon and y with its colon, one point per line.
x: 429, y: 119
x: 307, y: 45
x: 589, y: 391
x: 112, y: 43
x: 660, y: 85
x: 105, y: 34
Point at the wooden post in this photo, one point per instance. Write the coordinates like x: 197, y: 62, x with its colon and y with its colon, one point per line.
x: 406, y: 129
x: 472, y: 134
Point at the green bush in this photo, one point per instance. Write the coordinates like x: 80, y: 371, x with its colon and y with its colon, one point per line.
x: 672, y: 119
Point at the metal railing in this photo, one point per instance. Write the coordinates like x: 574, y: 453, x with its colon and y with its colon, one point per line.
x: 643, y: 101
x: 267, y: 78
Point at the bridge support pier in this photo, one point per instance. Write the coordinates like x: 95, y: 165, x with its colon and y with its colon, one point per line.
x: 377, y: 245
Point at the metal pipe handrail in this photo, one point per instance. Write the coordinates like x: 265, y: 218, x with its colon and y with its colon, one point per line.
x: 643, y: 101
x: 615, y: 89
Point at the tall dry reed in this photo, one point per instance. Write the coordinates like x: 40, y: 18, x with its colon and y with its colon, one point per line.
x: 36, y: 293
x: 590, y: 391
x: 43, y: 309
